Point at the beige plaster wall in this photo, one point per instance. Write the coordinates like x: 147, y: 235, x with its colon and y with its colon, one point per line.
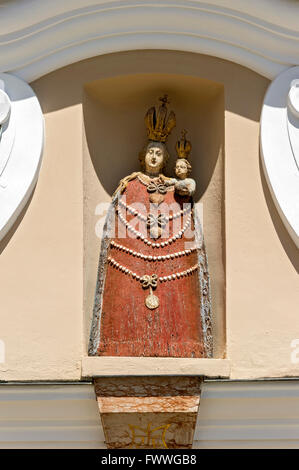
x: 46, y: 279
x: 41, y: 264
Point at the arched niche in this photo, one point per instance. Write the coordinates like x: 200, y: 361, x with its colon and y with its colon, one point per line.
x: 114, y: 134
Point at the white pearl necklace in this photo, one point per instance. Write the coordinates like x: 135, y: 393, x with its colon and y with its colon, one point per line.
x: 146, y: 180
x: 171, y: 277
x: 144, y: 218
x: 148, y: 242
x: 150, y: 257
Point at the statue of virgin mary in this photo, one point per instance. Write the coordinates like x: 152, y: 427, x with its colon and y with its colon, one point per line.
x: 152, y: 293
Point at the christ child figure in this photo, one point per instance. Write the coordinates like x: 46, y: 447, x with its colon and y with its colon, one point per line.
x: 184, y: 186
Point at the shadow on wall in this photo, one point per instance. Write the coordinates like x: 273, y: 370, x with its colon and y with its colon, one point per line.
x: 114, y: 112
x: 6, y: 239
x: 238, y: 81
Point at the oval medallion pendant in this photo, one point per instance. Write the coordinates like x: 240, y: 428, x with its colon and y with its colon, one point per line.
x: 152, y: 301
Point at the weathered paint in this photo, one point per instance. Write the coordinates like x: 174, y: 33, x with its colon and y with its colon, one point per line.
x: 127, y: 326
x: 148, y: 412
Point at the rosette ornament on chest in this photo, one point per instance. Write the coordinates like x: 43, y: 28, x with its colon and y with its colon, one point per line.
x: 155, y: 224
x: 157, y: 191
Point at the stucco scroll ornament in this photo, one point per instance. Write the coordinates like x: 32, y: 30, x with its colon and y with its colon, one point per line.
x: 5, y: 107
x: 21, y: 145
x: 7, y: 141
x: 280, y: 147
x: 293, y: 118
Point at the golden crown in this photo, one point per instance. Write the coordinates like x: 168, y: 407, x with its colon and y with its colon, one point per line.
x: 183, y: 146
x: 159, y: 126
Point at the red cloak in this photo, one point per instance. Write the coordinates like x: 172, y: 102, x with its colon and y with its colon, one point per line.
x: 126, y: 326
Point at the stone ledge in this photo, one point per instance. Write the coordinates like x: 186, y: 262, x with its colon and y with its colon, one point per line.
x: 107, y: 366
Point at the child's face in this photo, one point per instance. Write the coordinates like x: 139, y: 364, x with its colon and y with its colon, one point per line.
x: 181, y: 170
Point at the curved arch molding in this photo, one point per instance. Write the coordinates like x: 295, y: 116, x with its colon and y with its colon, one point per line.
x: 39, y: 37
x: 279, y: 139
x: 21, y: 146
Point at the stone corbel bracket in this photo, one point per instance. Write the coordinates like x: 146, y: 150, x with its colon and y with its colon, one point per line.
x: 279, y: 138
x: 148, y: 412
x: 21, y: 147
x: 150, y: 402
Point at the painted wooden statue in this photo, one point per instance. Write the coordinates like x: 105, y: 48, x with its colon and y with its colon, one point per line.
x: 152, y: 295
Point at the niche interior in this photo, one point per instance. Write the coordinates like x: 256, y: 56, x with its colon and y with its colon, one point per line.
x: 114, y: 133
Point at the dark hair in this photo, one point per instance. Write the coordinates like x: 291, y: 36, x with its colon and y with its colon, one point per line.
x: 152, y: 143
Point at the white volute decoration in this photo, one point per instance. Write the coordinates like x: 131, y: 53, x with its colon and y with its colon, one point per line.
x: 21, y: 145
x: 280, y: 146
x: 7, y: 129
x: 4, y: 107
x: 293, y: 118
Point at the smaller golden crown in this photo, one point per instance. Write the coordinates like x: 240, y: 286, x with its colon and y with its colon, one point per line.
x: 159, y: 126
x: 183, y: 146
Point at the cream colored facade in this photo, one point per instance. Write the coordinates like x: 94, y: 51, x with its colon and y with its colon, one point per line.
x: 93, y: 105
x: 94, y: 130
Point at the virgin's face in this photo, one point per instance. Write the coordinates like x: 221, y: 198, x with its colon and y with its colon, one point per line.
x: 154, y: 160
